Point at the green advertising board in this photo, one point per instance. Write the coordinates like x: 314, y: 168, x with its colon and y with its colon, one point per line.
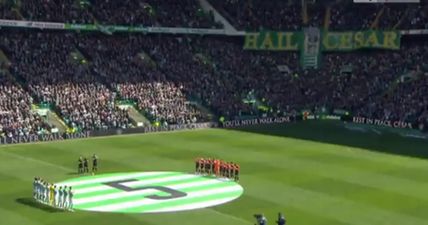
x: 352, y: 40
x: 330, y: 41
x: 273, y: 41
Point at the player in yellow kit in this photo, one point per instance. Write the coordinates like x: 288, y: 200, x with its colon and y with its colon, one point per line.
x: 51, y: 194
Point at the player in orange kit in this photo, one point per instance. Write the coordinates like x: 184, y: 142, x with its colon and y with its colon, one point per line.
x: 236, y: 172
x: 230, y: 170
x: 217, y: 167
x: 202, y: 166
x: 197, y: 165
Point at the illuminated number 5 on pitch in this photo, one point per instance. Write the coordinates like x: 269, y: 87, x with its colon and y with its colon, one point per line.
x: 172, y: 192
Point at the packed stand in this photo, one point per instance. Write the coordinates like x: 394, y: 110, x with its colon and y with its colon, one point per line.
x: 16, y: 117
x: 202, y: 78
x: 252, y: 71
x: 353, y: 16
x: 220, y: 67
x: 44, y: 61
x: 178, y: 72
x: 161, y: 73
x: 350, y: 81
x: 391, y: 16
x: 406, y: 100
x: 129, y: 70
x: 417, y: 17
x: 66, y: 11
x: 127, y: 12
x: 316, y: 14
x: 166, y: 13
x: 344, y: 15
x: 260, y: 14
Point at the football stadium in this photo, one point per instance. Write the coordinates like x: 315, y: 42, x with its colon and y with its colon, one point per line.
x: 234, y: 112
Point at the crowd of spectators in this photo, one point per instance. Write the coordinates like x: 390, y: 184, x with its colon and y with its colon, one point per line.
x: 344, y: 15
x: 128, y: 69
x: 167, y: 13
x: 244, y: 15
x: 68, y: 11
x: 84, y: 106
x: 417, y: 17
x: 16, y: 117
x: 356, y: 81
x: 162, y: 100
x: 125, y: 12
x: 161, y: 74
x: 44, y: 61
x: 250, y: 70
x: 353, y: 16
x: 259, y: 14
x: 406, y: 99
x: 183, y: 62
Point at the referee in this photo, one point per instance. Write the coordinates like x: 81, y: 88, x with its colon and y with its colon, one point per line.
x: 94, y: 163
x: 80, y: 165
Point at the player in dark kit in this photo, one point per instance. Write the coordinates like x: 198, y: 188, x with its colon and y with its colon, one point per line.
x: 94, y: 163
x: 85, y: 165
x: 80, y: 165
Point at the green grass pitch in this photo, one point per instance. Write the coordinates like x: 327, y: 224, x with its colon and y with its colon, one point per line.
x: 316, y: 173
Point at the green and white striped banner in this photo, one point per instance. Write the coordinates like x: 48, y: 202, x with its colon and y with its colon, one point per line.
x: 150, y: 192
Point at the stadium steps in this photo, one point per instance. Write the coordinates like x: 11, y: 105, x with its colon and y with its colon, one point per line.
x: 378, y: 17
x: 327, y: 17
x: 207, y: 7
x: 305, y: 17
x: 18, y: 13
x: 205, y: 110
x: 310, y: 61
x: 405, y: 78
x: 398, y: 24
x: 3, y: 57
x: 4, y: 61
x: 54, y: 120
x: 136, y: 117
x: 15, y: 8
x: 78, y: 58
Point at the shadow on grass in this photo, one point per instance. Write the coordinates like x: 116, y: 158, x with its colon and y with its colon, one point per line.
x: 336, y: 133
x: 34, y: 204
x: 72, y: 173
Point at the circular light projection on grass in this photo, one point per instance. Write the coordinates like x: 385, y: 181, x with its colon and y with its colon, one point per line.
x: 150, y: 192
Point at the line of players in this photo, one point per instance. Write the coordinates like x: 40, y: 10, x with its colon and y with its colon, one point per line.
x: 217, y: 167
x: 83, y: 165
x: 50, y: 194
